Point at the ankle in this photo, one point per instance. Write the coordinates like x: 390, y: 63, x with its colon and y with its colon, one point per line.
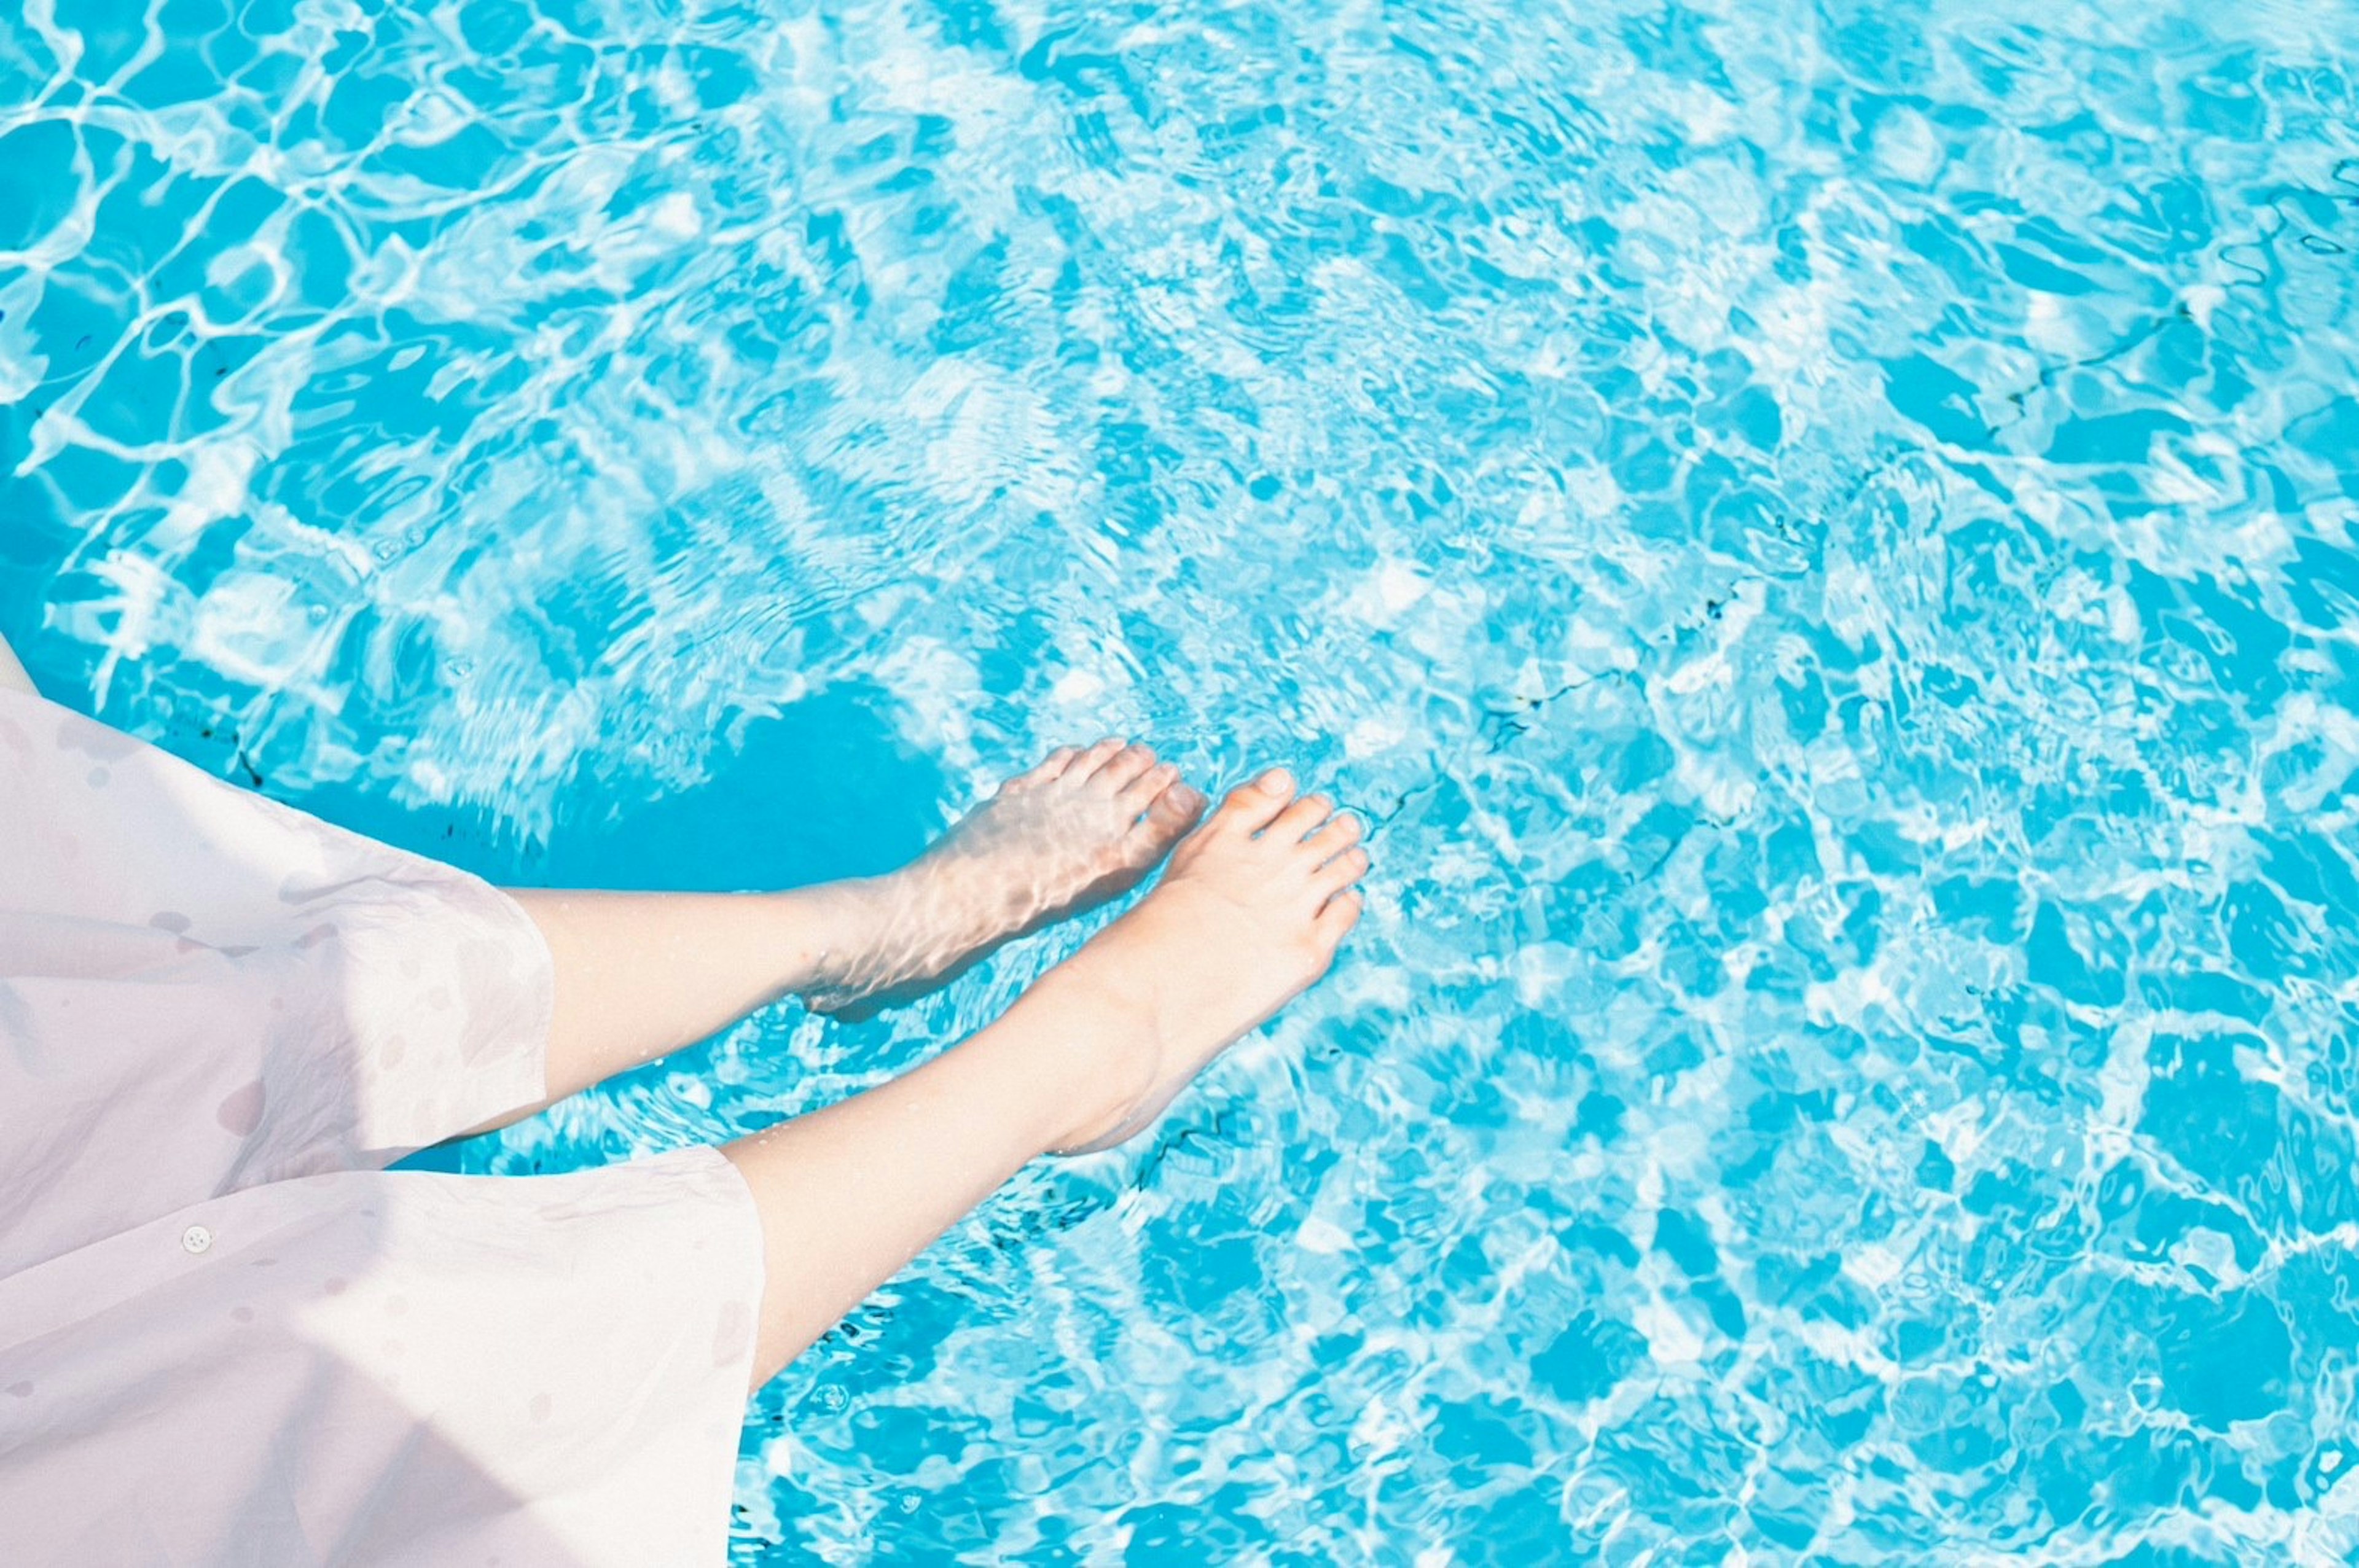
x: 850, y: 924
x: 1092, y: 1044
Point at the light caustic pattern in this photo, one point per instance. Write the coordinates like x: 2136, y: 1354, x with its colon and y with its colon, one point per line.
x: 1822, y: 533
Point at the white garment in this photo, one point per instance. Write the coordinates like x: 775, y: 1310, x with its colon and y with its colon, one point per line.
x: 226, y: 1334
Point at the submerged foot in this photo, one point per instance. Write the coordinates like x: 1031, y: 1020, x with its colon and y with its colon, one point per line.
x: 1248, y: 917
x: 1079, y: 828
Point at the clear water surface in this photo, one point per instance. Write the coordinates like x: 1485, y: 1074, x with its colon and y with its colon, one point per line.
x: 1823, y: 534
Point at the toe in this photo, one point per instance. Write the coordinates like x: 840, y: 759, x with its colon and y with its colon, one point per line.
x: 1152, y: 782
x: 1082, y: 766
x: 1342, y: 914
x: 1251, y: 808
x: 1043, y: 771
x: 1175, y: 809
x: 1295, y: 823
x: 1341, y: 831
x: 1122, y: 768
x: 1341, y: 871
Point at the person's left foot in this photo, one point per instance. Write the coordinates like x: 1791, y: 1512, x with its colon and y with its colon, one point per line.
x: 1074, y: 831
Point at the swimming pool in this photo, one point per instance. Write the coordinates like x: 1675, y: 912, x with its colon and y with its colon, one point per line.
x: 1822, y: 534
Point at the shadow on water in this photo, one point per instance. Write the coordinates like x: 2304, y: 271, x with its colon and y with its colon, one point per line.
x: 824, y: 789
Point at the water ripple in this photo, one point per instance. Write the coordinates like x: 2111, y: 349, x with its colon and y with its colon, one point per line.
x: 1824, y: 536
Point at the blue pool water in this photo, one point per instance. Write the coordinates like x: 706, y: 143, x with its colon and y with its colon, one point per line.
x: 1824, y: 536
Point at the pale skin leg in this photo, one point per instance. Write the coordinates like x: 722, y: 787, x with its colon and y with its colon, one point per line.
x: 641, y: 975
x: 1248, y: 916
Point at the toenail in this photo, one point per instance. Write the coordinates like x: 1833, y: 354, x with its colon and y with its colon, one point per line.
x: 1277, y: 779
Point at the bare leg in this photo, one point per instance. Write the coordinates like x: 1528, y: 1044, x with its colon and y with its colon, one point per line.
x: 1248, y: 915
x: 640, y: 975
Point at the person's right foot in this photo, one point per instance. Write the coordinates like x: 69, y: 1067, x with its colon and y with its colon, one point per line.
x: 1078, y: 830
x: 1248, y: 917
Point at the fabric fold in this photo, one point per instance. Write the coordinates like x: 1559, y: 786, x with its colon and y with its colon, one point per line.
x: 202, y: 989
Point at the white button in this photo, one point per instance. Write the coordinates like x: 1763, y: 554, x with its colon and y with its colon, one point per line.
x: 196, y: 1239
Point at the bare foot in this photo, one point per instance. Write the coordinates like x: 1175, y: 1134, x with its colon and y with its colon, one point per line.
x: 1076, y: 831
x: 1245, y: 920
